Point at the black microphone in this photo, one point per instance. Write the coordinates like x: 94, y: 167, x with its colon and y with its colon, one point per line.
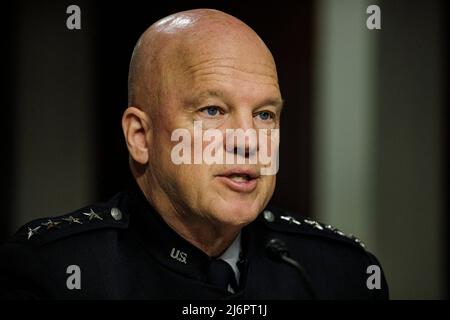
x: 277, y: 250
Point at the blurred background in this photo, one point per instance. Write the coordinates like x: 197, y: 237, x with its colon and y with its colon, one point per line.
x: 364, y: 131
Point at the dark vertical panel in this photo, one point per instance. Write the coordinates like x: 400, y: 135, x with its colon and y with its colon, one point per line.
x: 52, y: 106
x: 290, y: 40
x: 410, y: 159
x: 445, y: 138
x: 8, y: 25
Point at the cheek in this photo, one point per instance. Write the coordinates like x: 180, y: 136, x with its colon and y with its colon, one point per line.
x: 268, y: 185
x: 191, y: 179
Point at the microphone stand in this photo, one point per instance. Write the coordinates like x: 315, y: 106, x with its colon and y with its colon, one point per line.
x: 278, y: 251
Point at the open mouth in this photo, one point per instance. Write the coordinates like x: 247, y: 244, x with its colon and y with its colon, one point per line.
x: 239, y: 181
x: 239, y: 178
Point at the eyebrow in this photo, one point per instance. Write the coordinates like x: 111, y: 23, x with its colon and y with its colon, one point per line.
x: 211, y: 93
x: 196, y: 99
x: 277, y: 102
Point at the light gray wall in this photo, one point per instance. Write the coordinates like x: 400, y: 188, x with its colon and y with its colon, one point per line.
x: 344, y: 132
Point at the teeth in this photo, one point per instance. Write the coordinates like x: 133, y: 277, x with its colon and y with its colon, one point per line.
x: 239, y: 178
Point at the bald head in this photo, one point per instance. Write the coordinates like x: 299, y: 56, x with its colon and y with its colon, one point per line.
x: 184, y: 40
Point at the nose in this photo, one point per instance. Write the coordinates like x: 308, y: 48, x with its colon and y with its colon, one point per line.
x: 241, y: 137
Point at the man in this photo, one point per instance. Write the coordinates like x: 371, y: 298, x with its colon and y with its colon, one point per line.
x: 198, y: 230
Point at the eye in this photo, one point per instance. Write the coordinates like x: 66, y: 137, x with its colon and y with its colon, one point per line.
x: 265, y: 115
x: 210, y: 111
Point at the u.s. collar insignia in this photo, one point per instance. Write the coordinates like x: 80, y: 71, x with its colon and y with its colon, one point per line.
x: 178, y: 255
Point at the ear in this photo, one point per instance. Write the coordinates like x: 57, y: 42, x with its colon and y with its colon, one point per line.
x: 136, y: 129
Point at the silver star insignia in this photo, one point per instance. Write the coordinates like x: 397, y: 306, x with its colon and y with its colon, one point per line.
x: 350, y: 236
x: 32, y: 232
x: 339, y: 232
x: 51, y: 224
x: 92, y: 215
x: 290, y: 220
x: 318, y: 226
x: 359, y: 242
x: 313, y: 223
x: 71, y: 220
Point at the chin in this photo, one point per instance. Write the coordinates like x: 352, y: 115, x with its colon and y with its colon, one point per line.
x: 237, y: 212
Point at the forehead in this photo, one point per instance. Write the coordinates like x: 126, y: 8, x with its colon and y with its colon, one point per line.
x: 226, y: 77
x: 224, y: 64
x: 231, y: 80
x: 260, y: 69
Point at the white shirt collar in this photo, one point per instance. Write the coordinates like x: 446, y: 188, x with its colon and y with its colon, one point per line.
x: 231, y: 256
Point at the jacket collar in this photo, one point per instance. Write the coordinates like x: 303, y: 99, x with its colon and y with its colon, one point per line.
x: 168, y: 248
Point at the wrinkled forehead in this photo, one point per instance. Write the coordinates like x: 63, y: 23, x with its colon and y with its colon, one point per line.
x: 219, y: 52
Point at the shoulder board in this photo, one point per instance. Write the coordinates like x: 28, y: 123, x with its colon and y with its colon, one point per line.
x: 44, y: 230
x: 286, y: 222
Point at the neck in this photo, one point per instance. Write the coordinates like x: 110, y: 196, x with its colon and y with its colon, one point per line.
x: 209, y: 236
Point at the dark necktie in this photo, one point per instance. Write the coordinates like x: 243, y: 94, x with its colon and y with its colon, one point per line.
x: 221, y: 275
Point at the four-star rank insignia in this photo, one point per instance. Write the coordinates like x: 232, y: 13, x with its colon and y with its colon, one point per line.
x: 268, y: 216
x: 53, y: 224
